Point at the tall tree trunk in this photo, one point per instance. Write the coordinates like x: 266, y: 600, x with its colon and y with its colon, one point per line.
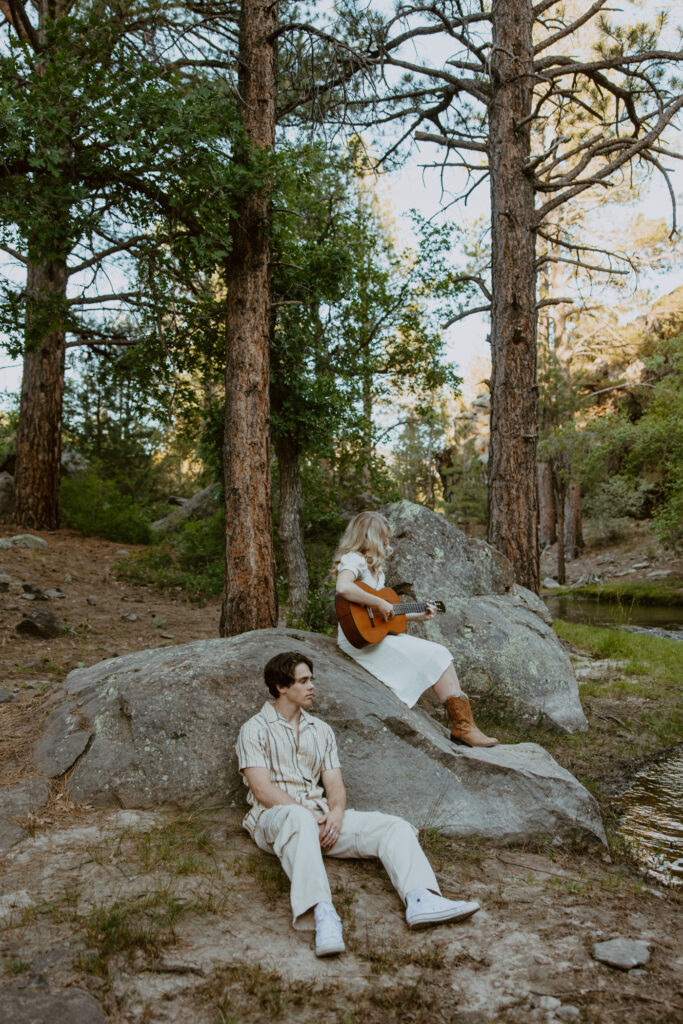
x: 560, y: 491
x: 573, y: 533
x: 250, y: 596
x: 546, y: 506
x: 290, y: 531
x: 39, y: 435
x: 513, y: 499
x: 367, y: 434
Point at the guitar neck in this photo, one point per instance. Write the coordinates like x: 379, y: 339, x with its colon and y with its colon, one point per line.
x: 410, y: 608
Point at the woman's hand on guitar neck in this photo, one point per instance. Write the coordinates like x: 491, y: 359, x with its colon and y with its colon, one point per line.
x: 425, y: 616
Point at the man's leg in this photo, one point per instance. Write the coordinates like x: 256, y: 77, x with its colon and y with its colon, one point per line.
x: 394, y: 841
x: 291, y: 833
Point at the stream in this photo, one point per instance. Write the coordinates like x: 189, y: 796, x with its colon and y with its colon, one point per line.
x: 652, y: 819
x: 652, y: 808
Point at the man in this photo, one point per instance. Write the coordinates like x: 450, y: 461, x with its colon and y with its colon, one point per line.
x: 298, y: 811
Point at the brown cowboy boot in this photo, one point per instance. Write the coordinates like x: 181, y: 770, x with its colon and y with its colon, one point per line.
x: 463, y: 728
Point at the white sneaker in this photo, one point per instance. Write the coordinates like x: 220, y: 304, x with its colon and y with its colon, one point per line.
x: 328, y: 931
x: 424, y: 908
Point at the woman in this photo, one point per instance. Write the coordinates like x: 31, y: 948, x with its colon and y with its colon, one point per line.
x: 406, y: 664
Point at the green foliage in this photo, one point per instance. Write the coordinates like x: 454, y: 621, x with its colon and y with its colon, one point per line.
x: 96, y: 507
x: 146, y: 924
x: 8, y: 431
x: 191, y: 559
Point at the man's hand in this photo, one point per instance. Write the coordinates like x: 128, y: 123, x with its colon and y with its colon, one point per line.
x: 329, y: 827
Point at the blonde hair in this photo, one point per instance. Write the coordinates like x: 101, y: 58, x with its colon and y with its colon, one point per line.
x: 366, y: 533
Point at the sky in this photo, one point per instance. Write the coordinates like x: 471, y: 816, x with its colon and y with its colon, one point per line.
x: 409, y: 188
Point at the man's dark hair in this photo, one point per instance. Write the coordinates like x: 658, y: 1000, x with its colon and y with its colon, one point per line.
x: 280, y: 670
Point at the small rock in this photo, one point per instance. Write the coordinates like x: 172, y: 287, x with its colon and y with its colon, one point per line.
x: 550, y: 584
x: 6, y: 697
x: 24, y: 540
x: 624, y: 572
x: 557, y: 842
x: 567, y: 1012
x: 37, y: 592
x: 123, y: 551
x: 549, y: 1003
x: 640, y: 565
x: 130, y: 618
x: 11, y: 607
x: 4, y: 583
x: 658, y: 573
x: 622, y: 953
x: 167, y: 636
x: 40, y: 623
x: 55, y: 595
x: 28, y: 597
x: 91, y: 600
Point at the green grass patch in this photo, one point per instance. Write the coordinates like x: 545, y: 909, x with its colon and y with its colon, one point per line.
x: 146, y: 924
x: 182, y: 846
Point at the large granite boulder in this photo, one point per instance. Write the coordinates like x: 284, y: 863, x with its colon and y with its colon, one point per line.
x: 505, y: 651
x: 159, y: 727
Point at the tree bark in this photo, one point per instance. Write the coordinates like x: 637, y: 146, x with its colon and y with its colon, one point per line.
x: 546, y: 506
x: 573, y: 533
x: 39, y: 434
x: 560, y: 492
x: 290, y: 532
x: 513, y: 498
x: 250, y: 596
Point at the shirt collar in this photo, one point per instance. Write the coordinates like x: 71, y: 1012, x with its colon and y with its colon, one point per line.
x: 270, y: 713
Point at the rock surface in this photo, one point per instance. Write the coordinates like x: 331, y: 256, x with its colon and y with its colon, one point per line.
x: 40, y: 623
x: 622, y: 953
x: 500, y: 634
x: 201, y: 505
x: 70, y: 1006
x: 159, y: 727
x: 17, y: 801
x: 23, y: 540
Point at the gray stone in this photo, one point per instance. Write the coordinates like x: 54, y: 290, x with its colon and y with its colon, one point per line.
x: 24, y: 797
x: 4, y: 583
x: 504, y: 649
x: 28, y: 597
x: 550, y: 584
x: 622, y: 953
x: 91, y: 600
x: 6, y: 697
x: 34, y: 592
x: 24, y: 540
x: 549, y: 1003
x: 6, y: 494
x: 18, y: 801
x: 11, y: 833
x: 162, y: 726
x: 201, y: 505
x: 68, y: 1006
x: 568, y: 1012
x: 54, y: 595
x: 40, y: 623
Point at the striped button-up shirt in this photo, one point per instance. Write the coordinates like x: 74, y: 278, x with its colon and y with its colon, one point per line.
x: 269, y: 741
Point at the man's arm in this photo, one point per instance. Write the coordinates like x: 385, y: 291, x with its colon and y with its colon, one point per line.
x: 265, y: 791
x: 330, y: 824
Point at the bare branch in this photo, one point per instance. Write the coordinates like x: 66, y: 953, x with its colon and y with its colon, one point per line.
x: 121, y: 247
x: 477, y: 280
x: 561, y: 300
x: 94, y: 300
x: 457, y: 142
x: 14, y: 254
x: 571, y: 28
x: 467, y: 312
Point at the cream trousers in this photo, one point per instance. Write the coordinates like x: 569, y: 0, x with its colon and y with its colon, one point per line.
x: 291, y: 833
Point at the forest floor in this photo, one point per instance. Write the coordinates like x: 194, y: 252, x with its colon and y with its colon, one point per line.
x: 177, y: 918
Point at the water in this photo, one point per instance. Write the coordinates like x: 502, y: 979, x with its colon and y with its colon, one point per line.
x: 659, y: 620
x: 652, y: 821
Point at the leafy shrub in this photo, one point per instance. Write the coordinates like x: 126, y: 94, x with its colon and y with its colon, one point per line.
x: 190, y: 559
x: 97, y: 508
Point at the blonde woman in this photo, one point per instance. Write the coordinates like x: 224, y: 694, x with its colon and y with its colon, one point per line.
x: 406, y: 664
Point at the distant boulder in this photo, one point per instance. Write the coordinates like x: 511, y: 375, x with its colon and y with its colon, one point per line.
x: 500, y: 634
x: 73, y: 463
x: 159, y: 727
x: 201, y: 505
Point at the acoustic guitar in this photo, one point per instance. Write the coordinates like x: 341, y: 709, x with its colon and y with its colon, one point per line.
x: 362, y: 626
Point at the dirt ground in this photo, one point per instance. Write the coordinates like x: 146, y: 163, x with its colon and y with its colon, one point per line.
x: 168, y: 918
x: 614, y: 562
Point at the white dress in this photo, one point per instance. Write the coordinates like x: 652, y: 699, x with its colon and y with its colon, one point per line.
x: 406, y: 664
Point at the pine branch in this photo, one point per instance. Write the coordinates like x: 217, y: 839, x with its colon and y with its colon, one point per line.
x: 465, y: 313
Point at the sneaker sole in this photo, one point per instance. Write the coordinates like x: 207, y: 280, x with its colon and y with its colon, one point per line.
x: 425, y: 920
x: 331, y: 950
